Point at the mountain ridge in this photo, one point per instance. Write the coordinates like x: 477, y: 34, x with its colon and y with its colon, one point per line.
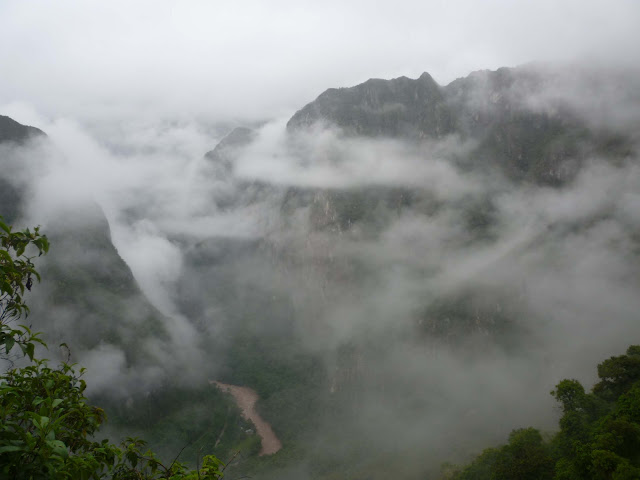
x: 511, y: 113
x: 12, y: 131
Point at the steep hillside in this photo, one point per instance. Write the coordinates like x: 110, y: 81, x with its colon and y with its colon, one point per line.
x: 12, y: 135
x: 92, y: 297
x: 401, y: 256
x: 90, y: 300
x: 514, y: 123
x: 431, y: 283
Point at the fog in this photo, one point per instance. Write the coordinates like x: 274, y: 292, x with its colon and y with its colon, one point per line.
x: 248, y: 60
x: 547, y: 285
x: 442, y: 299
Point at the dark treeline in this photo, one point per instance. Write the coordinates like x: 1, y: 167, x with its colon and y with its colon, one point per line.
x: 599, y: 435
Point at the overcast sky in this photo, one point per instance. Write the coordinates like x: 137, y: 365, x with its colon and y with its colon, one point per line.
x: 251, y: 59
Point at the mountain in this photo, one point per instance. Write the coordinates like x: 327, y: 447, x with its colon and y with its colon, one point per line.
x: 238, y: 138
x: 510, y: 125
x: 12, y: 131
x: 427, y: 299
x: 399, y: 107
x: 9, y: 200
x: 494, y: 109
x: 529, y: 127
x: 88, y: 294
x: 89, y: 299
x: 13, y: 134
x: 394, y: 273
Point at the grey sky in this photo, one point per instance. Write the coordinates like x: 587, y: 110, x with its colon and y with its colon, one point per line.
x: 255, y: 59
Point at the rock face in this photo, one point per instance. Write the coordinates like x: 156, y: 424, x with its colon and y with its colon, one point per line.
x: 541, y: 143
x: 527, y: 144
x: 401, y: 107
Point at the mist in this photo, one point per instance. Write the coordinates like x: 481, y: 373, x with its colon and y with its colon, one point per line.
x: 248, y: 61
x: 546, y: 277
x: 424, y: 299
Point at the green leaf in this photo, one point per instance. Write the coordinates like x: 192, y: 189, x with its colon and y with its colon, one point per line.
x: 8, y: 344
x: 10, y: 448
x: 132, y: 458
x: 30, y: 350
x: 6, y: 287
x: 59, y: 448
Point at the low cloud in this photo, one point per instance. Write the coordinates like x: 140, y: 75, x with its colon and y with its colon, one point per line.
x: 251, y: 61
x: 366, y: 253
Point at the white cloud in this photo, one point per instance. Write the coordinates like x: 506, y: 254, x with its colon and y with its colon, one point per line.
x: 252, y: 59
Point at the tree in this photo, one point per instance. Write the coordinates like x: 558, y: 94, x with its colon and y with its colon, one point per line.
x: 17, y: 272
x: 47, y: 427
x: 599, y: 436
x: 618, y: 374
x: 525, y: 457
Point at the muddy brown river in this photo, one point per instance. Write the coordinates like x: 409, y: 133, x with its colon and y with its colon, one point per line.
x: 246, y: 399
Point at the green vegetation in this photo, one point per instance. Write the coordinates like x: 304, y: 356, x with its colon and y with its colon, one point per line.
x: 50, y: 430
x: 47, y: 428
x: 290, y: 385
x: 189, y: 420
x: 599, y: 435
x: 89, y: 289
x: 16, y: 275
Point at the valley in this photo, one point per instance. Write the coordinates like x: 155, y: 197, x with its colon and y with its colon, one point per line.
x: 246, y: 399
x: 392, y: 278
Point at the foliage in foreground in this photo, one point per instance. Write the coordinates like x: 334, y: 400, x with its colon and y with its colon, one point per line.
x: 47, y: 428
x: 599, y: 437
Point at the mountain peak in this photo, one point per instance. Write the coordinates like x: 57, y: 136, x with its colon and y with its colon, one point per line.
x: 401, y: 107
x: 12, y: 131
x: 426, y: 77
